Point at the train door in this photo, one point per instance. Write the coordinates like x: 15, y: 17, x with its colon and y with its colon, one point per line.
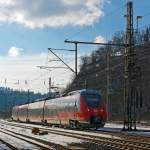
x: 75, y: 110
x: 27, y: 119
x: 43, y: 114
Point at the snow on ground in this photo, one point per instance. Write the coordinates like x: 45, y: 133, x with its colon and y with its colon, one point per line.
x: 63, y: 140
x: 118, y: 127
x: 53, y: 138
x: 16, y: 142
x: 141, y: 129
x: 4, y: 147
x: 71, y: 131
x: 68, y: 130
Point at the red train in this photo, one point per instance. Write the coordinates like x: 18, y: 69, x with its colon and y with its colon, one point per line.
x: 79, y: 108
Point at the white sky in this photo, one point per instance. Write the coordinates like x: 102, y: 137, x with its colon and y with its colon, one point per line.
x: 42, y: 14
x: 17, y: 66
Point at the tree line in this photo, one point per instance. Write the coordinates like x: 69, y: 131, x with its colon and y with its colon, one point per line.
x: 93, y: 73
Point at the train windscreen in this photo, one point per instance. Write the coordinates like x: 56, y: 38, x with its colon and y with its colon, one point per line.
x: 92, y: 100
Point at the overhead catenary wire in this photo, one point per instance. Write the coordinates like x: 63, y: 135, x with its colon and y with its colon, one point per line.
x: 33, y: 79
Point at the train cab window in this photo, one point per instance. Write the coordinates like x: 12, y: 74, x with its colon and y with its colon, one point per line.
x: 92, y: 100
x: 73, y: 93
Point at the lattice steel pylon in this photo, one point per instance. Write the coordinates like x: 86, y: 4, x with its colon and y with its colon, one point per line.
x: 130, y: 75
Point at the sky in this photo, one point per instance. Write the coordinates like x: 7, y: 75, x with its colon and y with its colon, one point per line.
x: 29, y: 27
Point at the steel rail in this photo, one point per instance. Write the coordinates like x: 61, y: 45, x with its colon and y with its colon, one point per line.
x: 8, y: 145
x: 45, y: 145
x: 99, y: 140
x: 29, y: 139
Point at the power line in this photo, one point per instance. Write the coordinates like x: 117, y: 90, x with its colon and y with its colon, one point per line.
x: 51, y: 50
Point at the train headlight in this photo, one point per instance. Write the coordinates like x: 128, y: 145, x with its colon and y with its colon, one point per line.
x: 101, y: 110
x: 88, y: 109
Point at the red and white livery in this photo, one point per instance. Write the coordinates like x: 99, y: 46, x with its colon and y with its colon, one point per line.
x: 79, y: 108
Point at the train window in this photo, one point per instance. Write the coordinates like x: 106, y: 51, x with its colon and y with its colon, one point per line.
x: 92, y: 100
x: 73, y: 93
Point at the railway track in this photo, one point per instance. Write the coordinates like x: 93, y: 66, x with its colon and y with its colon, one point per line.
x: 15, y: 142
x: 7, y: 144
x: 36, y: 142
x: 41, y: 144
x: 109, y: 140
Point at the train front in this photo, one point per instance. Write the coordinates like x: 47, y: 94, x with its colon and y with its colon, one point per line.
x: 93, y: 109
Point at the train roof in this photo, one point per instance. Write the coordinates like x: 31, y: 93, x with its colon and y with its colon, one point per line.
x: 90, y: 91
x: 82, y: 91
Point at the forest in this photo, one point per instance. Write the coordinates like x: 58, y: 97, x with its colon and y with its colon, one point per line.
x: 10, y: 98
x: 94, y: 69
